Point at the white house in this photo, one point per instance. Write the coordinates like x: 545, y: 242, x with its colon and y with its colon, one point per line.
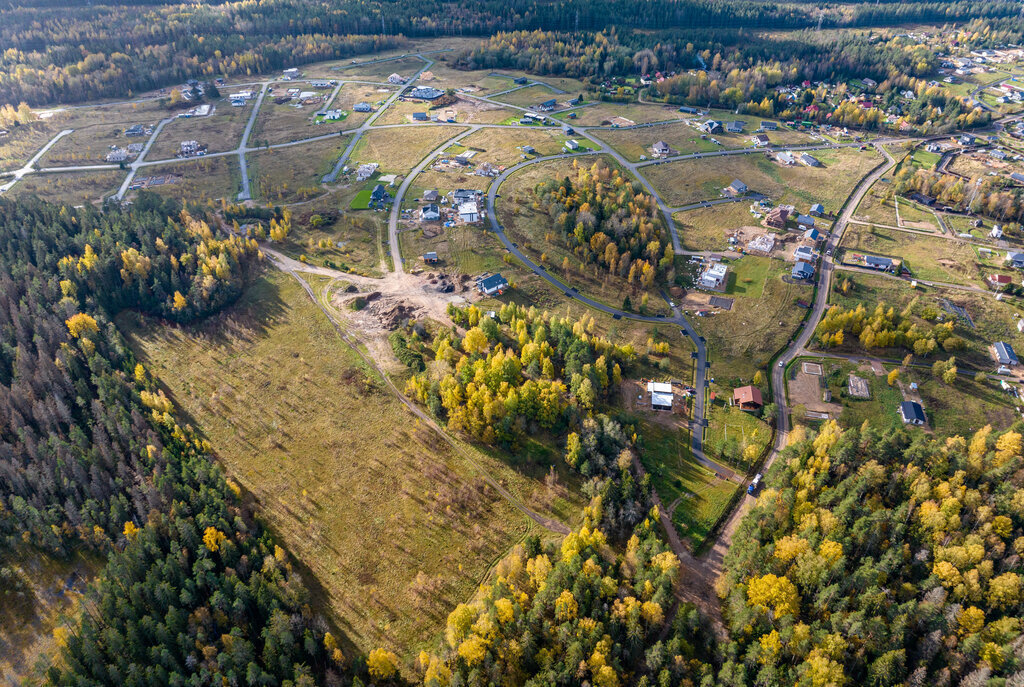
x: 469, y: 212
x: 714, y: 277
x: 661, y: 395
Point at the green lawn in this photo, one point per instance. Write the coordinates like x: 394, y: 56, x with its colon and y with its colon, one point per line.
x: 361, y: 201
x: 730, y: 431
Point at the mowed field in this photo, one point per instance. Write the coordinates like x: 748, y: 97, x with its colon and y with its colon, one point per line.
x: 395, y: 527
x: 689, y: 181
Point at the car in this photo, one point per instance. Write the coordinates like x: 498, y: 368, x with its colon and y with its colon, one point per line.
x: 828, y: 252
x: 782, y: 363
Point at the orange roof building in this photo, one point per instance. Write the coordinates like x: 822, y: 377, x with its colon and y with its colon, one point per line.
x: 748, y: 398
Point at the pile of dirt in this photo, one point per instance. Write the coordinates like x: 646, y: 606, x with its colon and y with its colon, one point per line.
x: 390, y: 314
x: 441, y: 283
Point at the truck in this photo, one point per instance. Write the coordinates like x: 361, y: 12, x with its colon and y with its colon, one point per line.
x: 755, y: 484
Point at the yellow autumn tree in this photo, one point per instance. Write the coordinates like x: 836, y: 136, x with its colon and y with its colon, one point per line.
x: 213, y: 538
x: 772, y: 593
x: 382, y: 663
x: 81, y: 324
x: 179, y: 301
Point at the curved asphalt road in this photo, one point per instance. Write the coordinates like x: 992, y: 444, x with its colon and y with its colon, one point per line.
x: 686, y: 329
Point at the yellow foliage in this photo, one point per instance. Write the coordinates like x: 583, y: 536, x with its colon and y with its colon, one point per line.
x: 771, y: 647
x: 566, y: 606
x: 81, y: 324
x: 788, y: 548
x: 777, y: 594
x: 130, y: 530
x: 971, y: 620
x: 179, y: 301
x: 382, y: 663
x: 213, y: 538
x: 473, y: 650
x: 504, y: 610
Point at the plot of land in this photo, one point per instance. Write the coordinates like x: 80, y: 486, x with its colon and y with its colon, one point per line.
x: 220, y: 131
x: 88, y: 146
x: 380, y: 71
x: 399, y: 150
x: 354, y: 241
x: 531, y: 95
x: 688, y: 181
x: 202, y: 179
x: 70, y: 188
x: 503, y: 147
x: 282, y: 123
x: 601, y: 114
x: 355, y: 487
x: 293, y: 172
x: 878, y: 205
x: 731, y: 431
x: 706, y: 228
x: 927, y: 257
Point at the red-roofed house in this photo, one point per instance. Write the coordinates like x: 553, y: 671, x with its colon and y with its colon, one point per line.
x: 998, y: 281
x: 747, y: 398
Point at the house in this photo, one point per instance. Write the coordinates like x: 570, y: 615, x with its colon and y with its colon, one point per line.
x: 469, y: 212
x: 759, y: 140
x: 1015, y: 259
x: 809, y: 160
x: 134, y: 130
x: 805, y: 220
x: 996, y: 233
x: 803, y: 270
x: 686, y: 109
x: 463, y: 195
x: 430, y: 213
x: 364, y: 172
x: 748, y: 398
x: 768, y: 126
x: 997, y: 154
x: 321, y: 83
x: 735, y: 127
x: 813, y: 234
x: 877, y: 263
x: 568, y: 130
x: 307, y: 95
x: 465, y: 159
x: 292, y: 73
x: 380, y: 195
x: 869, y: 83
x: 431, y: 196
x: 965, y: 140
x: 921, y: 198
x: 661, y: 149
x: 803, y: 253
x: 578, y: 100
x: 396, y: 79
x: 1018, y: 177
x: 494, y: 284
x: 572, y: 144
x: 714, y: 277
x: 785, y: 158
x: 331, y: 115
x: 547, y: 105
x: 736, y: 188
x: 117, y: 155
x: 912, y: 413
x: 1004, y: 353
x: 818, y: 210
x: 528, y: 150
x: 933, y: 148
x: 362, y: 107
x: 778, y: 215
x: 520, y: 81
x: 998, y: 281
x: 430, y: 258
x: 525, y: 121
x: 420, y: 117
x: 711, y: 127
x: 661, y: 395
x: 425, y: 93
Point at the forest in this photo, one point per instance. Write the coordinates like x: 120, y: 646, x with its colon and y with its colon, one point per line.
x: 881, y: 559
x: 608, y: 221
x: 885, y: 328
x: 55, y: 53
x: 990, y: 196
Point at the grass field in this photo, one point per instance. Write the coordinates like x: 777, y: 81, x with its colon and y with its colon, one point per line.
x: 379, y: 71
x: 698, y: 495
x: 220, y: 131
x: 202, y: 179
x: 730, y: 431
x: 87, y: 146
x: 354, y: 486
x: 399, y: 150
x: 70, y: 188
x: 502, y: 146
x: 293, y: 173
x: 688, y: 181
x: 635, y: 144
x: 743, y: 339
x: 705, y: 228
x: 601, y: 113
x: 531, y: 95
x: 355, y: 238
x: 283, y: 123
x: 877, y: 205
x: 931, y: 258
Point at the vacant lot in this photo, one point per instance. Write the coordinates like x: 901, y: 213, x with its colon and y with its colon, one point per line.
x: 395, y: 526
x: 688, y: 181
x: 531, y: 95
x: 281, y: 175
x: 601, y: 114
x: 635, y: 144
x: 399, y: 150
x: 706, y: 228
x: 730, y: 431
x: 928, y: 257
x: 220, y: 131
x: 503, y: 147
x: 87, y: 146
x: 878, y: 205
x: 282, y: 123
x: 198, y: 180
x: 70, y: 188
x: 379, y: 71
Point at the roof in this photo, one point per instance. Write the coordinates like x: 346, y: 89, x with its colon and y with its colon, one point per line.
x: 1017, y: 176
x: 494, y: 281
x: 419, y: 115
x: 817, y: 207
x: 425, y: 92
x: 468, y: 208
x: 747, y: 394
x: 738, y: 185
x: 1004, y: 352
x: 877, y: 261
x: 549, y: 103
x: 803, y: 270
x: 805, y: 219
x: 661, y: 145
x: 912, y: 411
x: 660, y: 387
x: 809, y: 160
x: 430, y: 256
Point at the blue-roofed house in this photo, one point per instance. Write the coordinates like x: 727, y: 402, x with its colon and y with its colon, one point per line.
x: 805, y: 220
x: 912, y: 413
x: 1015, y: 259
x: 494, y: 284
x: 803, y: 270
x: 813, y: 234
x: 818, y: 210
x: 425, y: 93
x: 547, y: 105
x: 877, y: 263
x: 420, y: 117
x: 1004, y: 353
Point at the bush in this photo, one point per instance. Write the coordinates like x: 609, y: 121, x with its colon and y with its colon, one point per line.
x: 405, y: 355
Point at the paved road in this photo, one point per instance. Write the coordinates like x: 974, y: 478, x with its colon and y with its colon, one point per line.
x: 686, y: 329
x: 243, y: 166
x: 18, y: 174
x: 134, y: 166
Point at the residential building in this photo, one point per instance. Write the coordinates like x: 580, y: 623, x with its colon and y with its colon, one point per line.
x: 735, y: 127
x: 491, y: 285
x: 711, y: 127
x: 1015, y: 259
x: 747, y: 398
x: 431, y: 196
x: 420, y: 117
x: 1004, y: 353
x: 921, y: 198
x: 802, y: 270
x: 996, y: 232
x: 661, y: 395
x: 736, y: 188
x: 547, y: 105
x: 912, y: 413
x: 568, y: 130
x: 809, y: 160
x: 785, y: 157
x: 813, y: 234
x: 760, y: 140
x: 520, y: 81
x: 572, y: 144
x: 778, y: 215
x: 396, y: 79
x: 362, y: 107
x: 321, y: 83
x: 818, y: 210
x: 528, y: 150
x: 803, y: 253
x: 661, y: 149
x: 117, y: 155
x: 868, y: 82
x: 768, y: 126
x: 332, y: 115
x: 877, y: 263
x: 469, y: 212
x: 714, y: 277
x: 688, y: 110
x: 464, y: 195
x: 292, y: 73
x: 380, y: 195
x: 430, y: 258
x: 1018, y: 177
x: 999, y: 281
x: 134, y: 130
x: 805, y: 220
x: 430, y: 213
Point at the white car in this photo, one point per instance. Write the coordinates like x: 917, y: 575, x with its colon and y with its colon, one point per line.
x: 782, y: 363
